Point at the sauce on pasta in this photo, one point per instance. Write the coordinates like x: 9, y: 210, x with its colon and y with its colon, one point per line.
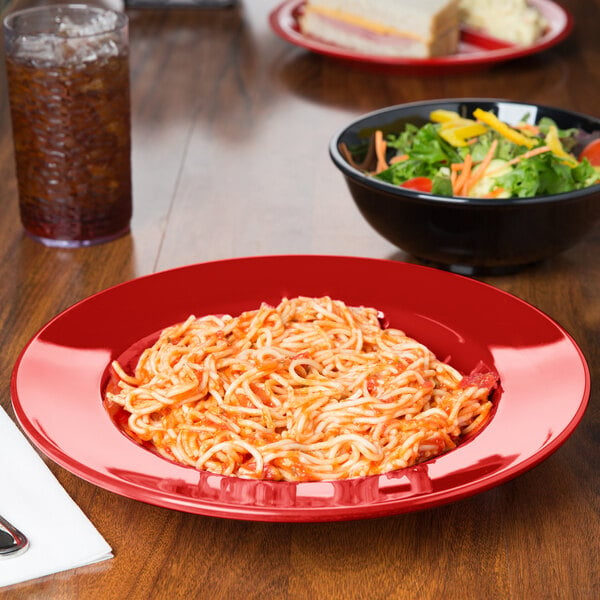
x: 308, y: 390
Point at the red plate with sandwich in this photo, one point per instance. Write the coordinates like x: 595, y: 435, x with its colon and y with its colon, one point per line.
x: 474, y: 49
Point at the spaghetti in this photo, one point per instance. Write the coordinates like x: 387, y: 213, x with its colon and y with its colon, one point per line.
x: 311, y: 389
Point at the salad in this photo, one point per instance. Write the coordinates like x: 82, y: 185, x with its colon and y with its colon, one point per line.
x: 483, y: 157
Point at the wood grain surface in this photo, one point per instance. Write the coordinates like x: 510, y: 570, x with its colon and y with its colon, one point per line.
x: 230, y: 132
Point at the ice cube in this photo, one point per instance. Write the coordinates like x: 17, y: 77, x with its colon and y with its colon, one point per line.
x: 72, y: 43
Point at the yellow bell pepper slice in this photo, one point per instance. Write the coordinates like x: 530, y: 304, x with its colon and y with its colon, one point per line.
x: 553, y: 142
x: 473, y: 129
x: 503, y: 129
x: 458, y: 136
x: 460, y: 122
x: 443, y: 116
x: 456, y: 130
x: 452, y: 137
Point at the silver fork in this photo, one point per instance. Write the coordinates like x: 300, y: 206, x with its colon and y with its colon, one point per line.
x: 12, y: 541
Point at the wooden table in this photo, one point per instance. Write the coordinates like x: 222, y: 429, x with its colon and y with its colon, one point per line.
x: 230, y: 132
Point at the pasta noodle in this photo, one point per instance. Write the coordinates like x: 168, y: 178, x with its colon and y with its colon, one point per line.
x: 311, y: 389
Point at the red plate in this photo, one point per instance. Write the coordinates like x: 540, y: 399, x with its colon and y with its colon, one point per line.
x: 57, y: 384
x: 475, y: 51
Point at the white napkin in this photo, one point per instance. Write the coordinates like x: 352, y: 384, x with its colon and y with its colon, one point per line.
x: 60, y: 536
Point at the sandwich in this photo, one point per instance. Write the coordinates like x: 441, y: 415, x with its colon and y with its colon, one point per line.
x: 395, y: 28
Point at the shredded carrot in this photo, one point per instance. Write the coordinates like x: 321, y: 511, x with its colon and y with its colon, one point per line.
x: 518, y: 159
x: 345, y: 151
x: 366, y: 163
x: 529, y: 154
x: 528, y: 128
x: 399, y: 158
x: 479, y: 172
x: 494, y: 193
x: 464, y: 175
x: 380, y: 148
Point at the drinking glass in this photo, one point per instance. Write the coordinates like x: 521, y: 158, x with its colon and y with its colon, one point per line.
x: 68, y: 80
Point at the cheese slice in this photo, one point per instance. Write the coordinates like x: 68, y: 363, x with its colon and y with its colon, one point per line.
x: 361, y: 22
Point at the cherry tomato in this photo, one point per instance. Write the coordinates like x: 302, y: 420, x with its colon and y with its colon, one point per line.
x: 420, y: 184
x: 592, y: 153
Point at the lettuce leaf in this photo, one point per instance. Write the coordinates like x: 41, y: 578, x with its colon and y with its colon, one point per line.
x: 544, y: 174
x: 427, y: 150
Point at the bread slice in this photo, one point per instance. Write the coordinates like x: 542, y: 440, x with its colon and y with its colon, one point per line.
x: 405, y: 28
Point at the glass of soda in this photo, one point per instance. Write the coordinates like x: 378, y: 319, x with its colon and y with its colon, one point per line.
x: 68, y: 81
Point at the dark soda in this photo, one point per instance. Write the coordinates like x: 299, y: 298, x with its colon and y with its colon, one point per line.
x: 71, y: 130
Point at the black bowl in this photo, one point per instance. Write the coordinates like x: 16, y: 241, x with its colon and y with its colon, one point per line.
x: 468, y: 235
